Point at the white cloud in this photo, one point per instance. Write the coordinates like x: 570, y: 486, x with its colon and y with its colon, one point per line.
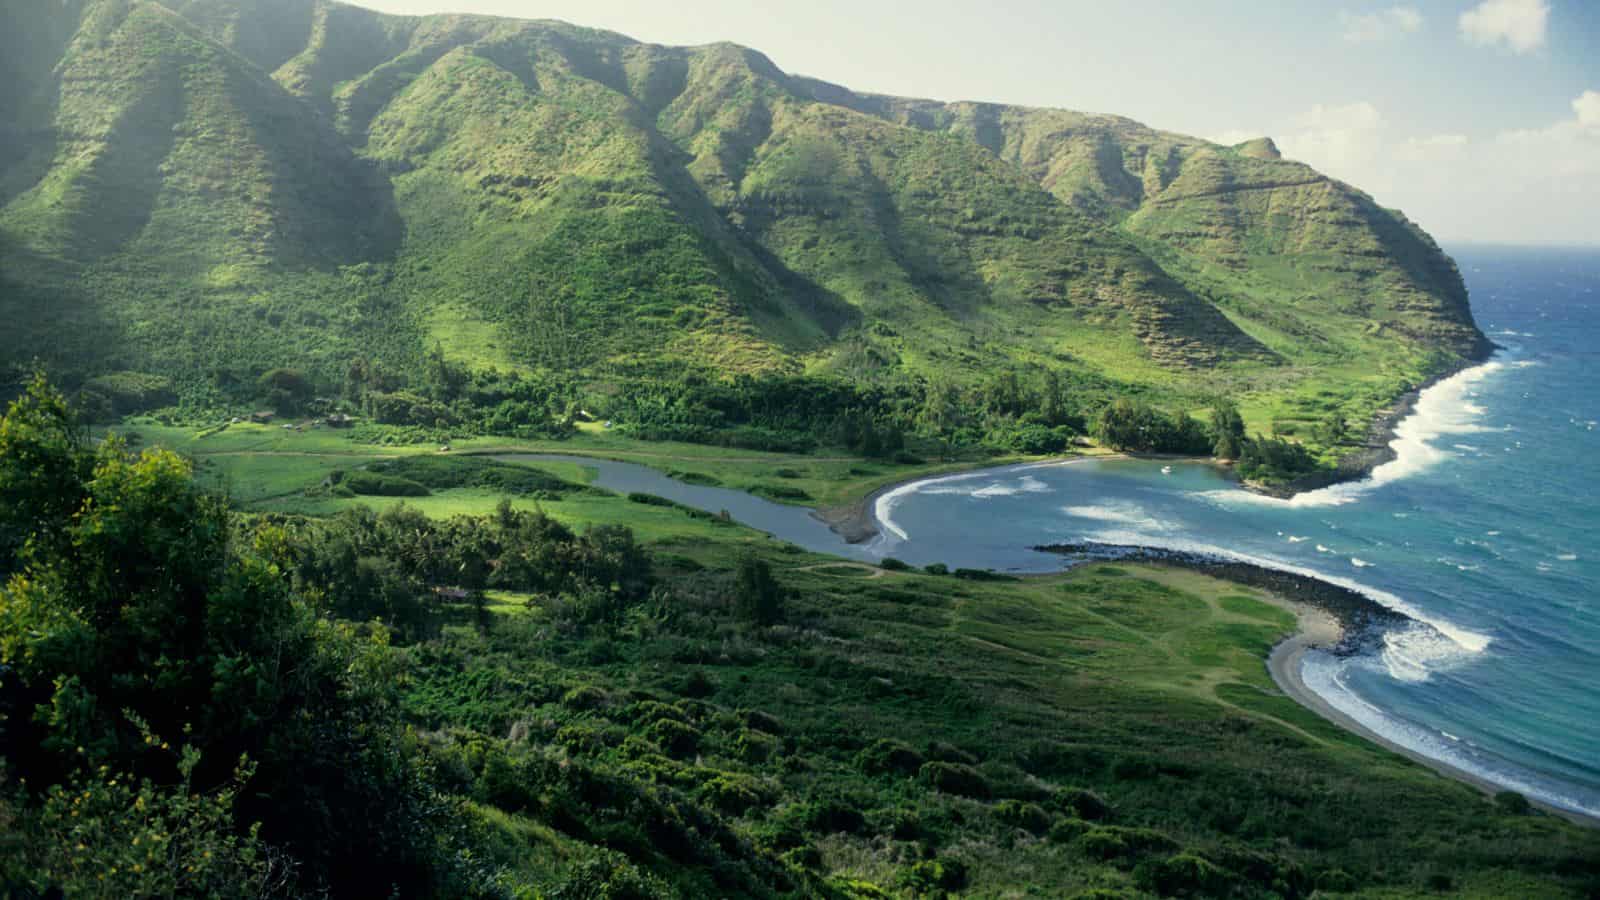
x: 1569, y: 149
x: 1587, y: 106
x: 1381, y: 25
x: 1519, y: 24
x: 1435, y: 148
x: 1339, y: 140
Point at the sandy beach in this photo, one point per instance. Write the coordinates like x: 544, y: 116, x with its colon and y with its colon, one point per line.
x: 1319, y: 630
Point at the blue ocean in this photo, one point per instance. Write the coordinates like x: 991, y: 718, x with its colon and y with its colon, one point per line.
x: 1485, y: 530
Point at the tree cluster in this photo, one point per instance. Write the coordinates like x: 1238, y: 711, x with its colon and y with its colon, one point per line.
x: 180, y: 713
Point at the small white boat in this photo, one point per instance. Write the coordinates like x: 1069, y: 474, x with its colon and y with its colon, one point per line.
x: 1166, y: 470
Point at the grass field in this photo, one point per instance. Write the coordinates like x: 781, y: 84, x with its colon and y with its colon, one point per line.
x: 267, y: 468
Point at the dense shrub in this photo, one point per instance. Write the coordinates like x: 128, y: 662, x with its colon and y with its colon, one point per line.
x: 946, y: 752
x: 1037, y: 440
x: 585, y: 697
x: 885, y: 756
x: 609, y: 876
x: 982, y: 575
x: 758, y: 597
x: 780, y: 492
x: 1027, y: 816
x: 285, y: 390
x: 650, y: 499
x: 755, y: 747
x: 445, y: 472
x: 141, y: 621
x: 404, y: 408
x: 374, y: 484
x: 1112, y: 843
x: 1085, y: 805
x: 829, y: 815
x: 933, y: 876
x: 127, y: 393
x: 1512, y: 803
x: 734, y: 794
x: 761, y: 721
x: 1183, y: 875
x: 1274, y: 460
x: 677, y: 738
x: 1139, y: 427
x: 955, y: 778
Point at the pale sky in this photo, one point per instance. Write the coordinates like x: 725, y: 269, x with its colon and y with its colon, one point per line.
x: 1478, y: 118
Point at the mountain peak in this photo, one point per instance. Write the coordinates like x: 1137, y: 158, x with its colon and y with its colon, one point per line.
x: 1260, y: 148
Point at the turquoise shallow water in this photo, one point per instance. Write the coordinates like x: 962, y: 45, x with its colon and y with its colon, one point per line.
x: 1486, y: 529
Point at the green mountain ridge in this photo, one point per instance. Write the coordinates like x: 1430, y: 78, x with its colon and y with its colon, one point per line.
x: 211, y: 188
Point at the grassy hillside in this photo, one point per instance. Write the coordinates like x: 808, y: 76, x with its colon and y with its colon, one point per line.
x: 208, y: 189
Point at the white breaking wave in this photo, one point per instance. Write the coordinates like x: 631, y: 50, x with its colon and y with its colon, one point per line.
x: 1465, y: 642
x: 1443, y: 409
x: 1324, y: 674
x: 1568, y: 557
x: 883, y: 507
x: 1415, y: 653
x: 1294, y: 539
x: 1360, y: 563
x: 1120, y: 513
x: 992, y: 486
x: 1322, y: 549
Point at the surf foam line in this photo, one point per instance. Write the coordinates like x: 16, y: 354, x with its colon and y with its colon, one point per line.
x: 1412, y: 652
x: 1409, y: 652
x: 883, y: 507
x: 1441, y: 409
x: 1325, y: 675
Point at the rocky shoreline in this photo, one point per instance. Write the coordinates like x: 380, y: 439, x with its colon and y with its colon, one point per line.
x: 1362, y: 619
x: 1378, y: 448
